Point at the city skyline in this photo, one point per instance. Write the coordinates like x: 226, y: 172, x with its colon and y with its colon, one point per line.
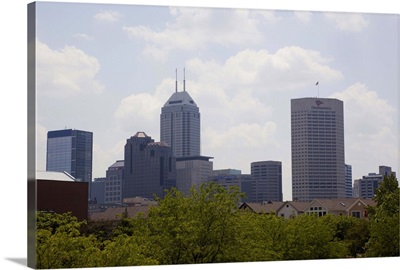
x: 242, y: 78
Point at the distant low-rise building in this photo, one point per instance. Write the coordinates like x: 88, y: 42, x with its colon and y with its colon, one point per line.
x: 290, y: 209
x: 267, y: 207
x: 355, y: 207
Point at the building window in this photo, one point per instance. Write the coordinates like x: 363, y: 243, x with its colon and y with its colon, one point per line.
x: 356, y: 214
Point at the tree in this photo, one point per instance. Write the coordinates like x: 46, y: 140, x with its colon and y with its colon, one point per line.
x: 384, y: 220
x: 60, y: 245
x: 197, y: 228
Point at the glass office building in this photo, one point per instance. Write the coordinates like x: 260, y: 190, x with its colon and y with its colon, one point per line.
x: 70, y: 150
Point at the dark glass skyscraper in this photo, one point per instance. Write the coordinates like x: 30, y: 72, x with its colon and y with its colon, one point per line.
x: 149, y: 167
x: 70, y: 150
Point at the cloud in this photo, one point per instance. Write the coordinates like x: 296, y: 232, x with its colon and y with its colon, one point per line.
x: 104, y: 158
x: 347, y: 22
x: 370, y: 129
x: 83, y: 37
x: 290, y: 68
x: 193, y: 27
x: 303, y: 16
x: 108, y: 16
x: 141, y: 112
x: 65, y: 73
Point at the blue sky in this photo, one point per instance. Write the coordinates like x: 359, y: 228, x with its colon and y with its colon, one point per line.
x: 110, y: 68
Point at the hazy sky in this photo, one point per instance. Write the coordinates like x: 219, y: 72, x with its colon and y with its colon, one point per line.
x: 110, y: 68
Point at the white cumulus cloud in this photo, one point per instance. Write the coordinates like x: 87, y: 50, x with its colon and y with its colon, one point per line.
x: 371, y: 131
x: 108, y: 16
x: 304, y: 16
x: 347, y: 22
x: 193, y: 27
x: 66, y: 72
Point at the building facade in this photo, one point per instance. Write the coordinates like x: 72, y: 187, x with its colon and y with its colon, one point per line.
x: 317, y: 136
x: 59, y: 192
x: 149, y: 167
x: 98, y: 186
x: 113, y: 182
x: 366, y: 186
x: 192, y: 171
x: 228, y: 178
x: 227, y: 172
x: 70, y: 150
x: 349, y: 181
x: 267, y: 181
x: 180, y: 125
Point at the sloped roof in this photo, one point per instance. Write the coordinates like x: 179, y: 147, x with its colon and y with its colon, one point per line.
x: 299, y: 206
x: 342, y: 204
x: 262, y: 207
x: 139, y: 200
x: 118, y: 163
x: 54, y: 176
x: 180, y: 98
x: 111, y: 213
x: 140, y: 134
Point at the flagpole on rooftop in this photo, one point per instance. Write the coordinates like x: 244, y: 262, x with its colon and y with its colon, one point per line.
x: 318, y: 88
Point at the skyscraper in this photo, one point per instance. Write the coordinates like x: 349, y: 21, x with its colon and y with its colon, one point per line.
x: 70, y: 150
x: 180, y: 124
x: 267, y: 181
x: 149, y: 167
x: 317, y: 149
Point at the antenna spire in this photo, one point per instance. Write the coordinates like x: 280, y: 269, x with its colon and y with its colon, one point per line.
x: 184, y: 88
x: 176, y: 80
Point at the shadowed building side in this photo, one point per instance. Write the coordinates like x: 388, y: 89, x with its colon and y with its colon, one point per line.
x: 149, y: 167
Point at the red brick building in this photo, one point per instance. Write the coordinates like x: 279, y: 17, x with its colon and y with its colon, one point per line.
x: 59, y: 192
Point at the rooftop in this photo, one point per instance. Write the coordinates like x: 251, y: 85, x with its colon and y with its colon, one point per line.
x: 180, y: 98
x: 141, y: 134
x: 54, y: 176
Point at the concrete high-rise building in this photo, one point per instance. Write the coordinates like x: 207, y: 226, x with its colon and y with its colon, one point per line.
x: 349, y: 181
x: 317, y: 149
x: 267, y: 181
x: 386, y: 171
x: 229, y: 177
x: 113, y: 182
x: 365, y: 187
x: 70, y: 150
x: 192, y: 171
x: 180, y: 124
x: 149, y: 167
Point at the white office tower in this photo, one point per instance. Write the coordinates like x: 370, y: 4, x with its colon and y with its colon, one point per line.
x: 180, y: 124
x: 317, y: 149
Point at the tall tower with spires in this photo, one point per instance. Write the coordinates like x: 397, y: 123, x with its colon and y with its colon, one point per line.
x: 180, y: 123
